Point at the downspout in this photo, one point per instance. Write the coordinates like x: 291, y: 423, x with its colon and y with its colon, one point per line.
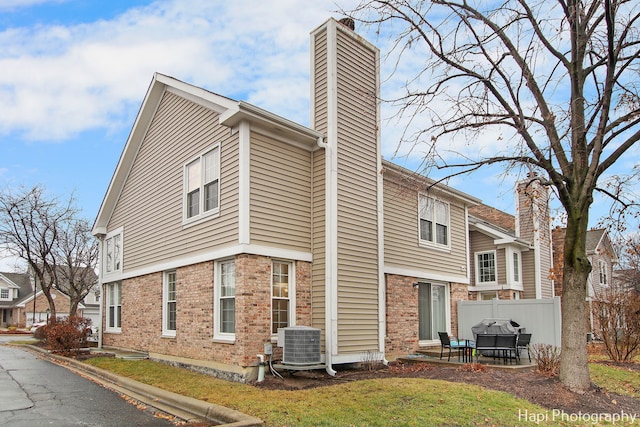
x: 102, y: 292
x: 329, y: 263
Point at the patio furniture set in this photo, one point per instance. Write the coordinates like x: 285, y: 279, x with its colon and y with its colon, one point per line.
x: 504, y: 346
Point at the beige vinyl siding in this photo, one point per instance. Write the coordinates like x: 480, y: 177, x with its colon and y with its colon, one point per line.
x: 150, y: 205
x: 357, y: 198
x: 401, y: 235
x: 483, y: 243
x: 528, y: 275
x: 280, y: 194
x: 546, y: 262
x: 318, y: 291
x: 318, y: 272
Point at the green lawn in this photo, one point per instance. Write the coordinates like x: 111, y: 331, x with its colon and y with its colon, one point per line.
x: 378, y: 402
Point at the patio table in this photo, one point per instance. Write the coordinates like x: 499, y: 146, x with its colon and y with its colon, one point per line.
x: 466, y: 347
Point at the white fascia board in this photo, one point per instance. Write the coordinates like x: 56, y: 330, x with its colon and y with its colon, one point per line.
x: 433, y: 185
x: 428, y: 275
x: 159, y: 84
x: 269, y: 121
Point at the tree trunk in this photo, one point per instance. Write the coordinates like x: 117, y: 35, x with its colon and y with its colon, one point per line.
x: 73, y: 308
x: 574, y: 369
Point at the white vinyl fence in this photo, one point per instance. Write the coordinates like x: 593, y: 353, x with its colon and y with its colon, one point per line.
x: 540, y: 317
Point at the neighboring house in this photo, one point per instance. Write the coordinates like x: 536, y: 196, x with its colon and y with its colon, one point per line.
x: 15, y: 288
x: 224, y: 222
x: 603, y: 259
x: 91, y: 306
x: 511, y: 256
x: 17, y: 301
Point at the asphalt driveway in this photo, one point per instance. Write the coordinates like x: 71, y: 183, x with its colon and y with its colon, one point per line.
x: 35, y: 392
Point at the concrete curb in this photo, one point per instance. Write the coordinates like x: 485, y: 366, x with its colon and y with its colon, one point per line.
x: 182, y: 407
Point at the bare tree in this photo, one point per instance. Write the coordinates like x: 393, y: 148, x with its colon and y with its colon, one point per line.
x: 58, y: 247
x: 558, y: 83
x: 77, y: 257
x: 30, y: 225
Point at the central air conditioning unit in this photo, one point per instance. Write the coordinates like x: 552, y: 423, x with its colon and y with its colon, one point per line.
x: 300, y: 345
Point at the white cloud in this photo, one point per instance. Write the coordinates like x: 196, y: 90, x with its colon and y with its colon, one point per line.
x: 18, y: 4
x: 60, y: 81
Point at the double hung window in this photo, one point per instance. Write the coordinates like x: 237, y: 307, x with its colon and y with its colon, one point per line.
x: 281, y: 293
x: 225, y: 301
x: 602, y: 270
x: 202, y: 185
x: 516, y: 267
x: 434, y: 221
x: 169, y: 304
x: 486, y: 268
x: 112, y: 252
x: 114, y: 307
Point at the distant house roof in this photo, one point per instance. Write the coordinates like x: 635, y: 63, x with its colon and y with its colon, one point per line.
x: 594, y: 237
x: 21, y: 281
x: 494, y: 216
x: 597, y: 240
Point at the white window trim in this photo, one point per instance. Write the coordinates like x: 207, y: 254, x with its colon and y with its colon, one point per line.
x: 118, y: 287
x: 447, y: 308
x: 218, y: 336
x: 8, y: 292
x: 170, y: 333
x: 434, y: 243
x: 292, y: 293
x: 202, y: 215
x: 602, y: 265
x: 477, y: 268
x: 495, y: 295
x: 115, y: 272
x: 509, y: 253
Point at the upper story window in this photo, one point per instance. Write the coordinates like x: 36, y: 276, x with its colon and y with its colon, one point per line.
x: 5, y: 294
x: 602, y: 269
x: 202, y: 185
x: 112, y: 252
x: 225, y: 301
x: 516, y: 266
x: 434, y: 221
x: 486, y: 268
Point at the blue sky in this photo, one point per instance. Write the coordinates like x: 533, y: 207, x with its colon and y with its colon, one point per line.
x: 73, y: 74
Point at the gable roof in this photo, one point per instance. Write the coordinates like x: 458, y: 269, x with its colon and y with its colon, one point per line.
x: 231, y: 113
x: 494, y: 216
x: 22, y: 282
x: 422, y: 183
x: 598, y: 241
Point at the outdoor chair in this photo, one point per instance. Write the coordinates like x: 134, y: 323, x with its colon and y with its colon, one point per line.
x: 506, y: 344
x: 523, y: 342
x: 485, y: 343
x: 445, y: 342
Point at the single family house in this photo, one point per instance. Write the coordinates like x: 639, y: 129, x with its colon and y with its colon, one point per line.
x: 224, y: 224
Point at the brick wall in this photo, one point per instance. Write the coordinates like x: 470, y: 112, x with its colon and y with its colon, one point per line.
x: 459, y: 292
x: 142, y: 312
x: 402, y: 313
x: 558, y: 236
